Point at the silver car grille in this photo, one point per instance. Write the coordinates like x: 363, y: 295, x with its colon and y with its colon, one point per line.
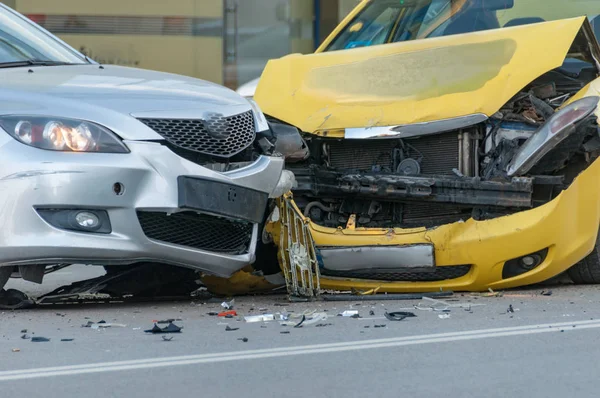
x: 215, y: 136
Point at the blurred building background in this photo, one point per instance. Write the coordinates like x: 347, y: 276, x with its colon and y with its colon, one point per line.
x: 225, y: 41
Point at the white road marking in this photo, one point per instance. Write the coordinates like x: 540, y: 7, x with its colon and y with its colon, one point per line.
x: 298, y: 350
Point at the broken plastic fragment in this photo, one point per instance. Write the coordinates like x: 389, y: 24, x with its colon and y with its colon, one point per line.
x: 228, y: 314
x: 398, y: 315
x: 16, y: 350
x: 25, y: 337
x: 227, y: 305
x: 39, y: 339
x: 170, y: 328
x: 67, y: 339
x: 230, y: 329
x: 348, y: 313
x: 546, y: 293
x: 444, y: 316
x: 259, y: 318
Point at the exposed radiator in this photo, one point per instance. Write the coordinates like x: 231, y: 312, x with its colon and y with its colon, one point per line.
x: 440, y: 153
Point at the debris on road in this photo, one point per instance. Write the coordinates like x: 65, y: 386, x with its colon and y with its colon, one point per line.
x: 230, y: 329
x: 398, y: 315
x: 259, y: 318
x: 102, y: 325
x: 213, y: 313
x: 170, y: 328
x: 24, y: 331
x: 228, y: 305
x: 299, y: 324
x: 25, y: 337
x: 379, y: 326
x: 348, y: 313
x: 385, y: 297
x: 67, y: 339
x: 39, y: 339
x: 510, y: 308
x: 546, y: 293
x: 244, y: 339
x: 444, y: 306
x: 228, y: 314
x: 167, y: 338
x: 285, y: 332
x: 16, y: 350
x: 444, y: 316
x: 171, y: 320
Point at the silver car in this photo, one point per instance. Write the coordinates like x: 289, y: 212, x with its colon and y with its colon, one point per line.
x: 111, y: 165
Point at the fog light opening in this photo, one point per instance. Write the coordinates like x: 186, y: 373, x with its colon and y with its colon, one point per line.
x: 531, y: 261
x: 87, y: 220
x: 118, y: 188
x: 523, y: 264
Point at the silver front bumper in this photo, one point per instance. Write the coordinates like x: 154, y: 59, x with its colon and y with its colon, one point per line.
x: 33, y: 178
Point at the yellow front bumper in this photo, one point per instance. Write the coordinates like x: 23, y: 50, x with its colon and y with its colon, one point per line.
x: 567, y: 226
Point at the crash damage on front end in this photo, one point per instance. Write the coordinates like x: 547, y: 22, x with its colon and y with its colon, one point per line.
x: 462, y: 163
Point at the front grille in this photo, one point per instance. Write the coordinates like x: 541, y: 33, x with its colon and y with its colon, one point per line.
x: 198, y: 231
x: 216, y: 136
x: 439, y: 274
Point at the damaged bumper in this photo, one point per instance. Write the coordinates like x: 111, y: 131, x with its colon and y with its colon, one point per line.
x: 470, y: 255
x: 147, y: 202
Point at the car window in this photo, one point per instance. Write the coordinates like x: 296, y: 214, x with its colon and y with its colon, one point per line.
x: 20, y: 40
x: 383, y: 21
x: 372, y: 27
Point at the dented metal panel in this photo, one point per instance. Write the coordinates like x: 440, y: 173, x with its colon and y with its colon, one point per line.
x: 412, y: 82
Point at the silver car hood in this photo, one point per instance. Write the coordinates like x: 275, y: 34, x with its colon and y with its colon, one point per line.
x: 113, y: 96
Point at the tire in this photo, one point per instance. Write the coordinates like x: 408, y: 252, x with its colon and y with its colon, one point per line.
x: 587, y: 271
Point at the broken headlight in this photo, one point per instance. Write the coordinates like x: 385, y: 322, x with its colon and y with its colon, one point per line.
x: 552, y: 133
x: 61, y: 134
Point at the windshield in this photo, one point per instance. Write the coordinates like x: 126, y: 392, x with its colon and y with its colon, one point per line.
x: 22, y: 41
x: 385, y: 21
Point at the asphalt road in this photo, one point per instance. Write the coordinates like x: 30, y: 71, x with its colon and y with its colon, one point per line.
x: 547, y: 347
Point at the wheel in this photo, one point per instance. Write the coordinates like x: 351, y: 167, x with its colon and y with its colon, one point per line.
x: 587, y: 271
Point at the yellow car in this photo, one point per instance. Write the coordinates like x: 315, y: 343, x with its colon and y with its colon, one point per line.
x: 446, y: 144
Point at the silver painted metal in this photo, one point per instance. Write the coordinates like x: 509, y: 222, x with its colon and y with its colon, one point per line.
x: 380, y: 257
x: 113, y: 97
x: 415, y: 130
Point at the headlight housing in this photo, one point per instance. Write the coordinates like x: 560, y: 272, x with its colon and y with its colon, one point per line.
x: 259, y: 116
x: 62, y: 134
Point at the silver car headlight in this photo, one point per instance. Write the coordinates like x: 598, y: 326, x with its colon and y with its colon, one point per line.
x: 62, y: 134
x: 259, y: 116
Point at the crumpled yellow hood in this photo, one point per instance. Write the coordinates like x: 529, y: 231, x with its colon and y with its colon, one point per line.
x: 412, y: 82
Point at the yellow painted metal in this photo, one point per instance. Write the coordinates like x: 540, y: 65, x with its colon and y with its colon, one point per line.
x: 412, y: 82
x: 567, y: 226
